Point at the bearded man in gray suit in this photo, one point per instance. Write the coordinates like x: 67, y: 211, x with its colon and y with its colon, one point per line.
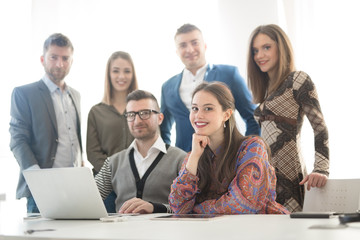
x: 45, y: 117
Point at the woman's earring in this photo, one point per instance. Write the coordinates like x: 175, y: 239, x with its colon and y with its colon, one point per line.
x: 224, y: 125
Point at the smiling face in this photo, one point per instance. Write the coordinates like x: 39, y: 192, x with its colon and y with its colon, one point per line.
x: 147, y: 129
x: 191, y: 49
x: 266, y: 54
x: 121, y: 74
x: 207, y: 116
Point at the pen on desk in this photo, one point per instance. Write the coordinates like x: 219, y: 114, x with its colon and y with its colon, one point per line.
x: 31, y: 231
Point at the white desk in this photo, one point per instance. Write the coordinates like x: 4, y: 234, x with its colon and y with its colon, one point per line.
x: 231, y: 227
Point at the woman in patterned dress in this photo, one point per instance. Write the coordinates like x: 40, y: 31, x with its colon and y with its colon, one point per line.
x: 226, y: 172
x: 285, y: 97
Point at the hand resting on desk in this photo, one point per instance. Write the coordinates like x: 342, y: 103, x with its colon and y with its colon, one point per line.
x: 136, y: 205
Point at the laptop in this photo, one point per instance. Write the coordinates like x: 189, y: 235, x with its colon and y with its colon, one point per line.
x: 66, y: 193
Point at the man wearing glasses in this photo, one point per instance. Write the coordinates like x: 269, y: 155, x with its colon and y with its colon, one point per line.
x: 142, y: 174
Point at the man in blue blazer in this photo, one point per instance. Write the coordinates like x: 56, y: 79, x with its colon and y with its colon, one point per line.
x: 45, y: 117
x: 177, y: 91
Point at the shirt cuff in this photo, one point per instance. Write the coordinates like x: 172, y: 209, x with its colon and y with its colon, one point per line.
x: 35, y: 166
x: 159, y: 208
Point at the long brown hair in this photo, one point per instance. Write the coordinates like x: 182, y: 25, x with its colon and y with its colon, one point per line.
x: 108, y: 89
x: 259, y: 81
x: 226, y: 160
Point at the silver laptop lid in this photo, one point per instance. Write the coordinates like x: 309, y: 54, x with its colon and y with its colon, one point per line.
x: 65, y: 193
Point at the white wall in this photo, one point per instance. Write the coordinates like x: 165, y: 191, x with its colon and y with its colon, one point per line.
x: 325, y: 43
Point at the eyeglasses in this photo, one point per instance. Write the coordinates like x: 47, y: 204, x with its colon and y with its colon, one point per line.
x: 143, y: 114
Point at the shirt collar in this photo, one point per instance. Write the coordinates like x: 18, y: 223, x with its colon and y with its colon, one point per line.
x: 159, y: 145
x: 51, y: 85
x: 200, y: 71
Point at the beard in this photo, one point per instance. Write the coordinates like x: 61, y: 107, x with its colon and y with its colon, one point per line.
x: 143, y: 134
x: 56, y: 74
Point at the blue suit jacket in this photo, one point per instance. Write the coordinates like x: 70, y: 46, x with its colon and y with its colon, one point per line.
x: 33, y: 128
x: 175, y: 110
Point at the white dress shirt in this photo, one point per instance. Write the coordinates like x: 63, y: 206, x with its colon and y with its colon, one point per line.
x: 188, y: 84
x: 143, y: 163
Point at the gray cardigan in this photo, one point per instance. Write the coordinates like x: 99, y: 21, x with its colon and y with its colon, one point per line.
x: 116, y: 174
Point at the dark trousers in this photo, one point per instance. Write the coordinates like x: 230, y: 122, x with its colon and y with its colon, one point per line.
x: 110, y: 202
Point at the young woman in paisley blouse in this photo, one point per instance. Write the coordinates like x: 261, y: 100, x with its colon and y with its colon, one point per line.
x: 285, y: 96
x: 225, y: 173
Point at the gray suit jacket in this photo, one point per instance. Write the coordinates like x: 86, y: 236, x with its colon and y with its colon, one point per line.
x: 33, y: 128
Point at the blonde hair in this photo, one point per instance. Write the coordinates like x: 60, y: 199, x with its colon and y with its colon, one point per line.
x: 259, y: 81
x: 108, y: 88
